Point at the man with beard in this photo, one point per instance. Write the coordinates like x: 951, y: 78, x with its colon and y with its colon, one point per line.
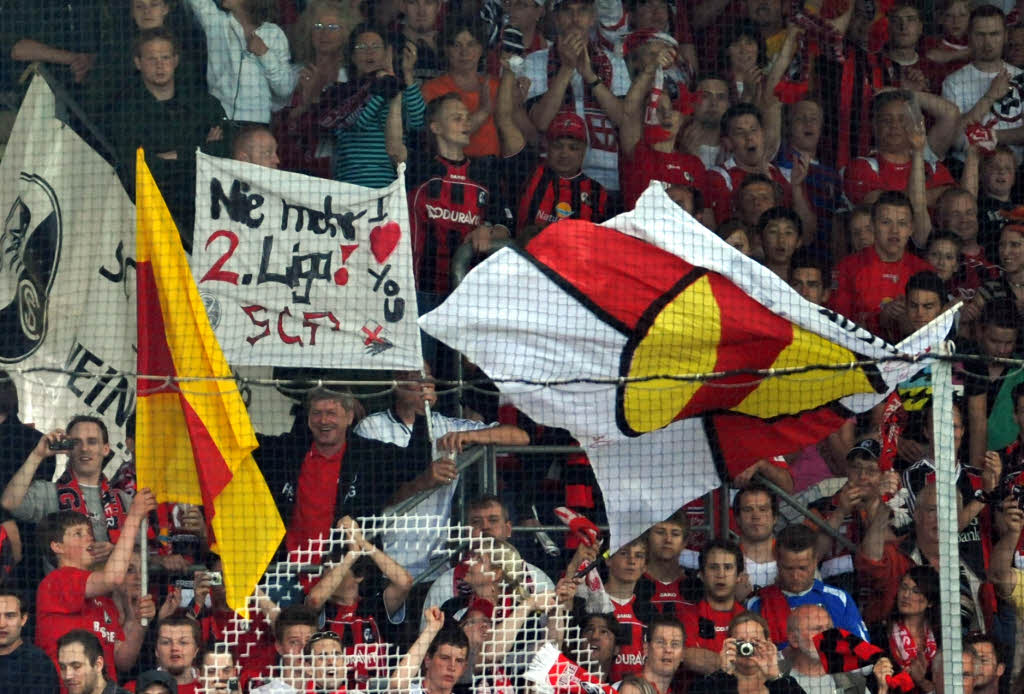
x: 702, y: 136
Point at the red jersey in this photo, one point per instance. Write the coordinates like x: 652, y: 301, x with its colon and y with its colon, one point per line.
x: 61, y: 606
x: 724, y: 182
x: 646, y: 165
x: 867, y: 174
x: 548, y: 197
x: 706, y: 627
x: 667, y: 598
x: 315, y: 497
x: 630, y: 658
x: 866, y: 283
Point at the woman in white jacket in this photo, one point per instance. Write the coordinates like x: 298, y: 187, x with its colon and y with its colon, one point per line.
x: 249, y: 65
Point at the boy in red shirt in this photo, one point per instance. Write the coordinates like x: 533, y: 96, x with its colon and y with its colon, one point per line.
x: 707, y: 622
x: 75, y: 597
x: 870, y: 279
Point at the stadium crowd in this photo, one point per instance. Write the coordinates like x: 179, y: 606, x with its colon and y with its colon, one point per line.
x: 867, y: 153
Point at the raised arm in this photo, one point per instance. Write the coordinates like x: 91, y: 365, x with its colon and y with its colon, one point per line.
x: 946, y: 127
x: 917, y: 187
x: 633, y: 106
x: 512, y: 138
x: 408, y: 668
x: 872, y: 547
x: 1001, y: 569
x: 14, y: 492
x: 547, y: 107
x: 115, y: 571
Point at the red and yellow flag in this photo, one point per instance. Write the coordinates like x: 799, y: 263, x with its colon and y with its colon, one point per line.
x: 194, y: 440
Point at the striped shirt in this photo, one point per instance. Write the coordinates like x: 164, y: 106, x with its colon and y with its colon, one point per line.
x: 360, y: 154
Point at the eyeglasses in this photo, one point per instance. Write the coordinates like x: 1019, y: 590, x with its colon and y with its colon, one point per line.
x: 363, y: 47
x: 323, y: 636
x: 326, y: 27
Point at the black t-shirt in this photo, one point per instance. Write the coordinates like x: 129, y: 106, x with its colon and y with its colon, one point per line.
x: 31, y: 669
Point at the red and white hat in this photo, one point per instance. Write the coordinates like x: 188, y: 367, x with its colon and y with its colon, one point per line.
x: 567, y: 125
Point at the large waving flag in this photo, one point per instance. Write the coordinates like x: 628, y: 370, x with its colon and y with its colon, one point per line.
x: 194, y: 437
x: 591, y: 327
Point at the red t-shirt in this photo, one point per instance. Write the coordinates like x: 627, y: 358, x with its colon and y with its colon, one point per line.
x: 315, y: 498
x: 61, y: 606
x: 706, y: 627
x: 646, y: 165
x: 724, y: 182
x: 866, y: 282
x: 866, y: 174
x: 630, y: 658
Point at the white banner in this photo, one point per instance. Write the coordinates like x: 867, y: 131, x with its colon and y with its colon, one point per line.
x: 67, y: 280
x: 302, y: 271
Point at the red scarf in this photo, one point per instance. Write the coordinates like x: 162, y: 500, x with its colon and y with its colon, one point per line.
x: 69, y: 498
x: 903, y: 648
x: 553, y: 673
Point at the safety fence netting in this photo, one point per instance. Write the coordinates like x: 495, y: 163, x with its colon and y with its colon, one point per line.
x: 434, y: 346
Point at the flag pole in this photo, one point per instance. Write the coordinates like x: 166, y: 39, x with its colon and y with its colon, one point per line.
x: 144, y: 563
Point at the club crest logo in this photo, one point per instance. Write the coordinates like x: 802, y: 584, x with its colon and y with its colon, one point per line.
x: 30, y: 248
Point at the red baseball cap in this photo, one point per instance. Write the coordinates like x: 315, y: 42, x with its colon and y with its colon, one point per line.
x: 567, y: 125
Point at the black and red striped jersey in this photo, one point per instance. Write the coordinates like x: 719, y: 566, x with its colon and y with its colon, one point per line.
x: 546, y: 197
x: 447, y: 200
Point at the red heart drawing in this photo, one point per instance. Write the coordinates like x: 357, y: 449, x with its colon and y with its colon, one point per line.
x: 384, y: 240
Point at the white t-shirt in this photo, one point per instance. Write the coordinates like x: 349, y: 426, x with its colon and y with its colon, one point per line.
x: 966, y: 86
x: 416, y: 549
x: 602, y: 160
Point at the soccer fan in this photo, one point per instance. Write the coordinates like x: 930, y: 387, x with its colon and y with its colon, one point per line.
x: 251, y: 82
x: 255, y: 144
x: 781, y: 232
x: 796, y: 585
x: 632, y: 611
x: 488, y: 516
x: 882, y: 562
x: 365, y: 617
x: 984, y: 89
x: 1007, y: 288
x: 810, y: 277
x: 991, y: 177
x: 870, y: 279
x: 823, y: 185
x: 967, y: 671
x: 943, y: 252
x: 706, y: 622
x: 82, y: 487
x: 218, y: 671
x: 156, y: 682
x: 665, y: 542
x: 282, y: 669
x: 649, y: 152
x: 756, y: 195
x: 743, y: 134
x: 80, y: 659
x: 702, y: 136
x: 905, y: 67
x: 950, y: 50
x: 579, y: 75
x: 419, y: 27
x: 555, y: 187
x: 326, y: 667
x: 803, y: 661
x: 998, y: 334
x: 988, y: 665
x: 177, y: 645
x: 603, y: 636
x: 22, y: 662
x: 741, y: 672
x: 957, y: 211
x: 440, y: 654
x: 337, y: 473
x: 848, y: 511
x: 901, y: 158
x: 663, y: 652
x: 756, y: 510
x: 452, y: 198
x: 463, y: 49
x: 75, y: 596
x: 910, y: 630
